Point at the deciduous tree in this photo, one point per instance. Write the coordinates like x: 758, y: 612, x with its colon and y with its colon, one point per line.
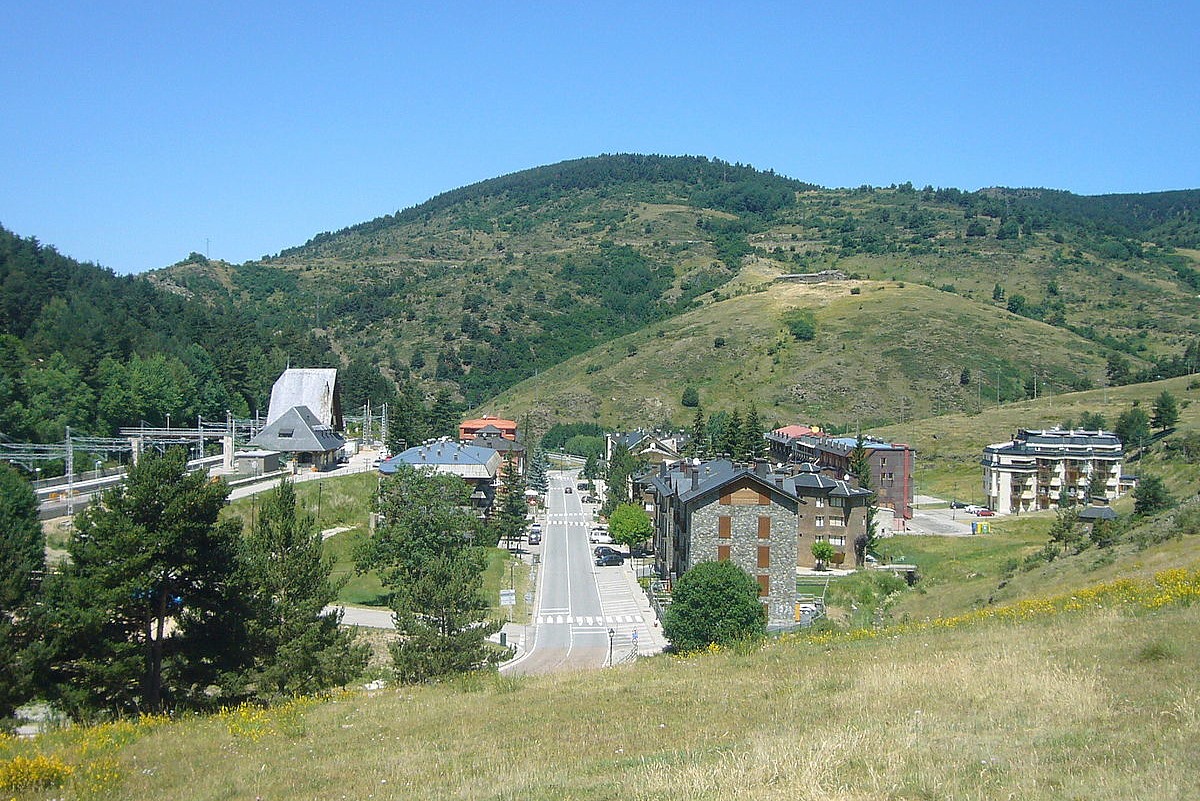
x: 714, y: 602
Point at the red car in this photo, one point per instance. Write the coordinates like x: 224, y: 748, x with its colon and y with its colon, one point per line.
x: 985, y: 513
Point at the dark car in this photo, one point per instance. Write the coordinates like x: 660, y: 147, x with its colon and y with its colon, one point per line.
x: 535, y: 538
x: 605, y: 550
x: 568, y: 490
x: 610, y: 559
x: 641, y: 552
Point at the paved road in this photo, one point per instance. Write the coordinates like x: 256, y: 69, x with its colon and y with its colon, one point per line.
x: 577, y: 602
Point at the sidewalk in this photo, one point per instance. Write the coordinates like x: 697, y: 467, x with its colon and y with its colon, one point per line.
x: 652, y: 641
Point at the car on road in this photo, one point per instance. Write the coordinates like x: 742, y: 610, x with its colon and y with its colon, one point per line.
x: 610, y: 559
x: 568, y: 490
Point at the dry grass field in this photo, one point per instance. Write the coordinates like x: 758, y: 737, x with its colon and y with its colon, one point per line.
x: 1092, y: 697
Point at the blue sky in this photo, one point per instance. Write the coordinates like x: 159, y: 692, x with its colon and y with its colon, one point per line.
x: 135, y: 133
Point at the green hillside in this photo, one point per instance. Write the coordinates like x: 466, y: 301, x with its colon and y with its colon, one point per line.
x: 487, y: 285
x: 893, y: 351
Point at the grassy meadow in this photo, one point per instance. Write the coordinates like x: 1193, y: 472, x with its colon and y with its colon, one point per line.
x: 1090, y: 697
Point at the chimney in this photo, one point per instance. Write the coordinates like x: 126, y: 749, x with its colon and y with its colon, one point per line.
x: 695, y: 479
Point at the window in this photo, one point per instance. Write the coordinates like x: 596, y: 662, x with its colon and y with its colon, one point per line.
x: 764, y: 527
x: 286, y: 433
x: 724, y: 526
x: 837, y: 522
x: 837, y: 542
x: 722, y: 553
x: 764, y: 586
x: 820, y: 522
x: 764, y: 556
x: 838, y: 502
x: 820, y: 503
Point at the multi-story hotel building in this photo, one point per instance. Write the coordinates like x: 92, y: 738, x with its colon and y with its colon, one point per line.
x: 1048, y: 469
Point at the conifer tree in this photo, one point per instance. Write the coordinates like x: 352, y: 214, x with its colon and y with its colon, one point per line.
x: 22, y: 560
x: 297, y: 647
x: 697, y: 442
x: 510, y: 516
x: 424, y: 553
x: 753, y: 444
x: 731, y: 442
x: 148, y: 615
x: 537, y: 477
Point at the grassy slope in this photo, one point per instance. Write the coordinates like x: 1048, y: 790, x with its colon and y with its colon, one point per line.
x: 1095, y: 705
x: 890, y: 351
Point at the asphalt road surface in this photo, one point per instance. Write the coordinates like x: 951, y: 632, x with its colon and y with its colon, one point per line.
x: 578, y: 603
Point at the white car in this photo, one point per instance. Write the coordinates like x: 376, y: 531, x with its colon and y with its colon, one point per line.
x: 972, y: 509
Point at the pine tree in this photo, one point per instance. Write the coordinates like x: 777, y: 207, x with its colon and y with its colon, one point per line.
x: 22, y: 560
x: 424, y: 553
x: 537, y: 478
x: 860, y: 468
x: 148, y: 614
x: 1166, y: 411
x: 753, y: 444
x: 297, y: 648
x: 731, y: 442
x: 510, y: 516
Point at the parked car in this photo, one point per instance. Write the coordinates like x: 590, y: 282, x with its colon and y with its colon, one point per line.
x: 985, y: 513
x: 972, y: 509
x: 610, y: 559
x: 535, y: 538
x: 605, y: 550
x: 581, y: 485
x: 599, y: 535
x: 641, y: 551
x: 958, y: 504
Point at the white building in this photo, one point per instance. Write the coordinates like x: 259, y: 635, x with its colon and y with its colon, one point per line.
x: 1047, y: 469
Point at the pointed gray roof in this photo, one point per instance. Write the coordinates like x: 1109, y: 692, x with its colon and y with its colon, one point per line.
x: 298, y: 430
x: 311, y: 387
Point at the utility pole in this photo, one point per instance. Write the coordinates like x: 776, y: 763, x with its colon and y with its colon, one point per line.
x: 70, y: 475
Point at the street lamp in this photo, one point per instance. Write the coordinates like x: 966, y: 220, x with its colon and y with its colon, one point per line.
x: 610, y: 646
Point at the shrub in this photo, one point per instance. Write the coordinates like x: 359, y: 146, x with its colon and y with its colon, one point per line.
x: 691, y: 398
x: 714, y: 602
x: 801, y: 324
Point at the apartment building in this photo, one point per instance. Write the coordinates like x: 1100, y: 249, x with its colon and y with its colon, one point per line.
x: 1051, y: 468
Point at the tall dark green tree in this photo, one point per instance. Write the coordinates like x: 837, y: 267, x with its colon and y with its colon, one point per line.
x: 1166, y: 411
x: 697, y: 445
x: 22, y: 560
x: 1133, y: 427
x: 860, y: 468
x: 753, y: 446
x: 425, y: 554
x: 148, y: 614
x: 444, y: 415
x: 732, y: 442
x: 539, y: 466
x: 509, y: 518
x: 297, y: 647
x: 1151, y: 496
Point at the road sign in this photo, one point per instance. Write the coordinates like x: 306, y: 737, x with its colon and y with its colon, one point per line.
x: 508, y: 597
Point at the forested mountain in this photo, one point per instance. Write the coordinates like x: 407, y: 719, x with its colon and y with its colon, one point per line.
x: 483, y: 287
x: 487, y: 285
x: 80, y: 346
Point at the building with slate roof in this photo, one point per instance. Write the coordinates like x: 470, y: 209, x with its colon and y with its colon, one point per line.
x: 1051, y: 468
x: 476, y: 465
x: 299, y: 432
x: 891, y: 463
x: 765, y: 520
x: 511, y: 451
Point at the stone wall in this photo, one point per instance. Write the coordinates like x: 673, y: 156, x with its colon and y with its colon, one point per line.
x: 744, y: 543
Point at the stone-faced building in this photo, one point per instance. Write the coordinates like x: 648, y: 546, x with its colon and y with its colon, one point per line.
x: 762, y: 520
